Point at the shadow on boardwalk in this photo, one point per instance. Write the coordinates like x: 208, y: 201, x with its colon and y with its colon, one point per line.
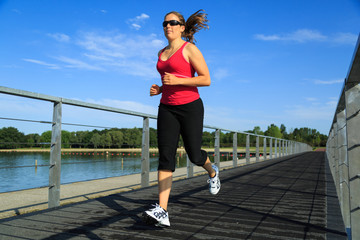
x: 285, y: 198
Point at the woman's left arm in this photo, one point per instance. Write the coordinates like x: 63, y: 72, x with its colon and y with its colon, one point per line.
x: 196, y: 59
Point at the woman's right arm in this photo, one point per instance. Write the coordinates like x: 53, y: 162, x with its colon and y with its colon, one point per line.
x: 155, y: 90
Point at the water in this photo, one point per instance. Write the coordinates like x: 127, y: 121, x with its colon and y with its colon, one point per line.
x: 18, y: 171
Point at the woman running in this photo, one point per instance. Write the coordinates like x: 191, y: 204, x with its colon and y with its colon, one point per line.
x: 181, y: 109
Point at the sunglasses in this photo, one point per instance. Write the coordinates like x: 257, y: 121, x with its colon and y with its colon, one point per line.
x: 171, y: 22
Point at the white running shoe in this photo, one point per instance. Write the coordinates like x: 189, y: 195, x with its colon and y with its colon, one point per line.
x: 214, y: 183
x: 156, y: 216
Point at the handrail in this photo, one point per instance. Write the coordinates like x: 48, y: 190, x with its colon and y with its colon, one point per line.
x: 281, y: 146
x: 44, y: 97
x: 38, y: 96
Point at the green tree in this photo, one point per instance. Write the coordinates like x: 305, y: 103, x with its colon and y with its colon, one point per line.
x: 132, y: 137
x: 273, y: 131
x: 95, y: 140
x: 32, y: 139
x: 208, y: 139
x: 153, y: 138
x: 65, y: 139
x: 45, y: 139
x: 116, y: 138
x: 10, y: 137
x: 106, y: 140
x: 257, y: 130
x: 74, y: 142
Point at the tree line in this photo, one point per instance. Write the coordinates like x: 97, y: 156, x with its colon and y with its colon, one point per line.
x: 11, y: 138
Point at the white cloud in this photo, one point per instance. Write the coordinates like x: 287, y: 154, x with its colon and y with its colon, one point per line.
x: 16, y: 11
x: 332, y: 103
x: 143, y: 16
x: 311, y: 99
x: 301, y: 35
x: 267, y: 38
x: 75, y: 63
x: 309, y: 35
x: 220, y: 73
x: 345, y: 38
x: 102, y: 45
x: 49, y: 65
x: 126, y: 105
x: 136, y: 26
x: 60, y: 37
x: 136, y: 23
x: 329, y: 82
x: 135, y: 55
x: 311, y: 112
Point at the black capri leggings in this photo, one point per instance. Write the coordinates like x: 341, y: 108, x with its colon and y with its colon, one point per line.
x: 186, y: 120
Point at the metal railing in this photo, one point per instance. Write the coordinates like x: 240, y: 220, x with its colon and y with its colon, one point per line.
x: 343, y: 148
x: 277, y: 147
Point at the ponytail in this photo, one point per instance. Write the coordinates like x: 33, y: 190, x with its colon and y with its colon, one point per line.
x: 193, y: 24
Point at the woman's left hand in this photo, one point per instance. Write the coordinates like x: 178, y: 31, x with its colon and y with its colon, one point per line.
x: 170, y: 79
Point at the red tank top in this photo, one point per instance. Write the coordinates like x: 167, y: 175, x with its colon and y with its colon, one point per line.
x: 180, y: 67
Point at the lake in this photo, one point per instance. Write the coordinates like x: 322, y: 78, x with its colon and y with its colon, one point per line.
x: 18, y: 171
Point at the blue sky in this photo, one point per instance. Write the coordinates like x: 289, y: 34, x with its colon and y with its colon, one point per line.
x: 281, y: 62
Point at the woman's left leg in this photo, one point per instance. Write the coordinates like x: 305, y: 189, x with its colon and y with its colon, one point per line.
x: 208, y: 167
x: 164, y: 184
x: 191, y: 132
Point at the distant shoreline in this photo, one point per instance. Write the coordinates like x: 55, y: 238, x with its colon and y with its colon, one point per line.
x: 26, y: 150
x: 78, y: 150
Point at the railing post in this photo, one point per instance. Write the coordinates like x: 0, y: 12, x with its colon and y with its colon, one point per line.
x: 287, y: 147
x: 190, y: 167
x: 55, y: 158
x: 217, y: 148
x: 257, y: 149
x: 248, y: 149
x: 276, y: 148
x: 264, y: 153
x: 235, y: 149
x: 344, y: 197
x: 352, y: 96
x: 145, y: 159
x: 279, y: 148
x: 271, y: 152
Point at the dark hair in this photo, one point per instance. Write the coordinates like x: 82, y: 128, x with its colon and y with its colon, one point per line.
x: 193, y: 24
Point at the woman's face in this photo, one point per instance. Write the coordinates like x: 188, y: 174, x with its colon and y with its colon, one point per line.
x: 173, y: 32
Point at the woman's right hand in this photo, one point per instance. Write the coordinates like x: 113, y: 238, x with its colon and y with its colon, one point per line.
x: 155, y: 90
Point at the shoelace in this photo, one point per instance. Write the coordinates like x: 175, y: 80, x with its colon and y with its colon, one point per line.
x: 155, y: 206
x: 209, y: 180
x: 159, y: 212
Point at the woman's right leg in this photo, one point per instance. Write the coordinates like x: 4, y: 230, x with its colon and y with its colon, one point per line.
x: 168, y: 132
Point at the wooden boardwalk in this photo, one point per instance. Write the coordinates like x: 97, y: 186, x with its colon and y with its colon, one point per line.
x: 291, y: 197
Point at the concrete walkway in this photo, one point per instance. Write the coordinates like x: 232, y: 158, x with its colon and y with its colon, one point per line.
x: 285, y: 198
